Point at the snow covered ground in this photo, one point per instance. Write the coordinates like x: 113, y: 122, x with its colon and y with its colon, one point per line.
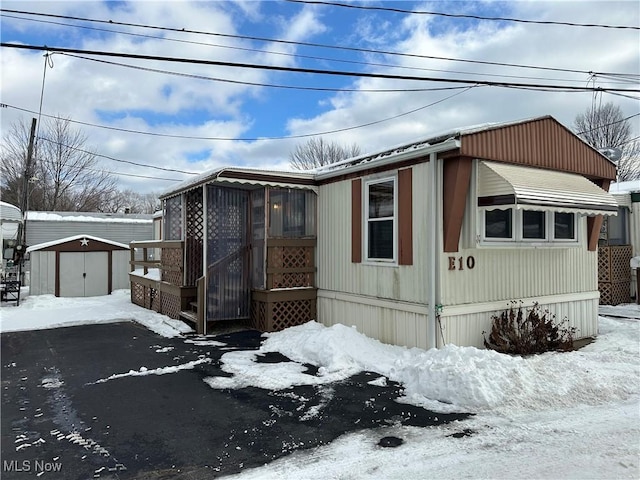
x: 557, y: 415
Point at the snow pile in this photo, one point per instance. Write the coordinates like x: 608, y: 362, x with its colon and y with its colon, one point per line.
x: 451, y: 378
x: 48, y: 311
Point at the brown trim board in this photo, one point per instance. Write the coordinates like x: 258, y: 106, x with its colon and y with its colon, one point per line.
x: 356, y: 220
x: 456, y: 181
x: 405, y: 216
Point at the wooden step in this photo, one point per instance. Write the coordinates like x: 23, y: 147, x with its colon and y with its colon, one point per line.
x: 189, y: 316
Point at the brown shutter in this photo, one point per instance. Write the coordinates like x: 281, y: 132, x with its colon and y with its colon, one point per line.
x: 356, y: 221
x: 405, y: 217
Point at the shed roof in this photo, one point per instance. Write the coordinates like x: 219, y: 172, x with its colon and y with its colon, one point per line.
x: 48, y: 245
x: 89, y: 217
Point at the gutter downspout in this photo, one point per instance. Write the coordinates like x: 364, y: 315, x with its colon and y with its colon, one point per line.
x: 432, y: 254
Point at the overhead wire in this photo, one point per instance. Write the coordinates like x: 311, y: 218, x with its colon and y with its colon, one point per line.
x: 261, y: 84
x: 297, y: 43
x: 292, y: 55
x: 252, y: 139
x: 308, y: 70
x: 175, y: 170
x: 461, y: 15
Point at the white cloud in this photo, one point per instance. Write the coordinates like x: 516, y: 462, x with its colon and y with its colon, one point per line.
x: 79, y: 89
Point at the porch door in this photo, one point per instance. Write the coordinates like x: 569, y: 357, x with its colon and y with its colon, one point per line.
x: 228, y: 255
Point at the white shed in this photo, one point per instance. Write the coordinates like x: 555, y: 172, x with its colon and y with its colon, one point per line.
x: 79, y: 266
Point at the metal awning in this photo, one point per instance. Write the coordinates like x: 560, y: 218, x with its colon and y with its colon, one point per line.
x: 501, y: 185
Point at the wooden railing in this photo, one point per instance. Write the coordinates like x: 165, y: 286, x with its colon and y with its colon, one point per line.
x: 165, y: 292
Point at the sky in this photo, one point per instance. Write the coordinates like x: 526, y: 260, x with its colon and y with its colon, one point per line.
x: 556, y: 415
x: 180, y: 118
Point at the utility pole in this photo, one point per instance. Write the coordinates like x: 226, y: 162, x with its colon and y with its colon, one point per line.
x: 24, y: 204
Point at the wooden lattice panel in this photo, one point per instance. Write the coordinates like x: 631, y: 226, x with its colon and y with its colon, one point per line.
x: 138, y: 294
x: 614, y: 293
x: 291, y: 313
x: 259, y: 316
x: 604, y: 264
x: 173, y: 218
x: 291, y: 257
x: 194, y: 230
x: 291, y: 280
x: 272, y: 311
x: 170, y: 305
x: 172, y: 257
x: 620, y: 263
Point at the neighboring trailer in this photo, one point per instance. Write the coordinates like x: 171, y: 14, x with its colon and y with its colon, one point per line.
x: 10, y: 219
x: 122, y: 228
x: 79, y: 266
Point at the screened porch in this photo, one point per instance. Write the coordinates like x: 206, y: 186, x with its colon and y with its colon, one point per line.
x: 232, y: 252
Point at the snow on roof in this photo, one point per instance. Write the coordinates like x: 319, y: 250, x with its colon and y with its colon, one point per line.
x: 89, y: 217
x: 9, y: 213
x: 40, y: 246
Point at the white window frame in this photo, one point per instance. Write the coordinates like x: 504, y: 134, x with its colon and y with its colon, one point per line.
x: 517, y: 232
x: 569, y: 241
x: 365, y: 205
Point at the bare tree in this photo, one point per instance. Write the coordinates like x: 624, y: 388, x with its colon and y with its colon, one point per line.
x: 64, y: 175
x: 606, y: 127
x: 131, y: 202
x: 317, y: 153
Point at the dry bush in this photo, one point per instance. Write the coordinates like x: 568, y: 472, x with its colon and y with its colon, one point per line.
x: 525, y: 332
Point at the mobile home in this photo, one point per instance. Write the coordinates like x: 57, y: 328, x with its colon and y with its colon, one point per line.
x: 417, y: 245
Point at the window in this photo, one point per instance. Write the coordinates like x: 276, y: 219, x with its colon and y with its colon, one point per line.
x: 528, y: 226
x: 498, y: 224
x: 380, y: 211
x: 564, y: 226
x: 533, y: 225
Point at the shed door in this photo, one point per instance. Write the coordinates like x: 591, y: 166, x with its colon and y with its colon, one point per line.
x: 84, y: 274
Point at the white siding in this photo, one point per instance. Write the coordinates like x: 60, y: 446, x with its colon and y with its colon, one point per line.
x: 337, y: 273
x: 43, y: 273
x: 517, y: 273
x: 398, y: 324
x: 120, y: 270
x: 466, y: 328
x: 383, y: 302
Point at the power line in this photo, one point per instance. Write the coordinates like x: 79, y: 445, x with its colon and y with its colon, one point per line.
x: 304, y: 44
x: 313, y: 70
x: 115, y: 159
x: 608, y: 124
x: 308, y: 135
x: 459, y: 15
x: 293, y: 55
x: 258, y: 84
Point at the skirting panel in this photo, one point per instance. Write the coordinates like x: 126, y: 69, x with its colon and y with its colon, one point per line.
x: 466, y: 329
x: 389, y: 325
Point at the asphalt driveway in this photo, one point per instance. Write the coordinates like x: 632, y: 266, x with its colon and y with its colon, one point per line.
x: 65, y: 415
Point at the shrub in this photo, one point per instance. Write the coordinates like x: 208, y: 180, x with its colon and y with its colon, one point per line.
x: 513, y: 332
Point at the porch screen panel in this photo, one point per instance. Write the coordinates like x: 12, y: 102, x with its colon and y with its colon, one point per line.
x: 227, y: 253
x: 292, y: 213
x: 258, y: 233
x: 173, y: 218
